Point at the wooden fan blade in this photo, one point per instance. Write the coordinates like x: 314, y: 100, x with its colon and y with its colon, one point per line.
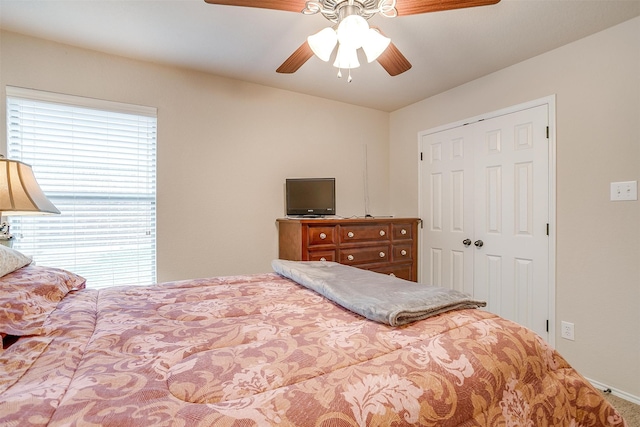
x: 296, y: 60
x: 393, y: 61
x: 413, y: 7
x: 286, y: 5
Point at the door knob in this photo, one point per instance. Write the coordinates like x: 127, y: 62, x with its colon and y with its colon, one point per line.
x: 466, y: 242
x: 478, y: 243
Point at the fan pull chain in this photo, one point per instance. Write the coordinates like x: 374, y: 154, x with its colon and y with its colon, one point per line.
x: 349, y: 79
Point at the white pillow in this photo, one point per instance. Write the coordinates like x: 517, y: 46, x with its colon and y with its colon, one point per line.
x: 11, y: 260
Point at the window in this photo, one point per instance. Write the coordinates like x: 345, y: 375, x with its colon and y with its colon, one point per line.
x: 96, y: 161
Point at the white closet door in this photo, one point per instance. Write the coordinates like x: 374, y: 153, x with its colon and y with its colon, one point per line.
x: 511, y: 204
x: 485, y: 206
x: 447, y: 192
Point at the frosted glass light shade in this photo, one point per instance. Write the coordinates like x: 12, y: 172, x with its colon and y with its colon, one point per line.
x: 20, y: 193
x: 352, y: 31
x: 374, y: 44
x: 323, y: 42
x: 346, y: 58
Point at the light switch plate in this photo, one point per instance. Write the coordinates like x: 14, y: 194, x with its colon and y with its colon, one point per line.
x: 627, y: 190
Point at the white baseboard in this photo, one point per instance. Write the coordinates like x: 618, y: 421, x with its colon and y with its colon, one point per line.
x: 622, y: 394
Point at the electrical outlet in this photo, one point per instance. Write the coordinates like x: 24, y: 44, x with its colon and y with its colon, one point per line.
x: 566, y: 331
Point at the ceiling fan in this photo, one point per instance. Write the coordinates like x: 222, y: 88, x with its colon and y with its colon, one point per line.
x: 350, y: 30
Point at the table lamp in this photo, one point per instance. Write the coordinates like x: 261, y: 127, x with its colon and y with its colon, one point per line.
x: 20, y: 194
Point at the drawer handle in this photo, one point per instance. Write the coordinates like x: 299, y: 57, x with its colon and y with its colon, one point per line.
x: 382, y: 233
x: 323, y: 259
x: 403, y: 231
x: 323, y: 236
x: 382, y: 254
x: 350, y: 234
x: 403, y: 252
x: 350, y: 257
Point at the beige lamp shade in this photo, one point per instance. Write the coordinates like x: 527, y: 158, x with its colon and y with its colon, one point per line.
x: 20, y: 193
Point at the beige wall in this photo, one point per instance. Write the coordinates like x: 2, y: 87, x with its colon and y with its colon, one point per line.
x: 225, y: 148
x: 597, y: 86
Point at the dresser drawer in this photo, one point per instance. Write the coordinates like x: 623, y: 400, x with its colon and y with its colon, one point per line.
x: 402, y: 231
x: 366, y: 255
x: 402, y: 271
x: 402, y: 253
x: 321, y: 255
x: 321, y: 235
x: 364, y: 233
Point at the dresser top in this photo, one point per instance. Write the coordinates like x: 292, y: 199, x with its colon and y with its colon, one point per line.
x: 353, y: 220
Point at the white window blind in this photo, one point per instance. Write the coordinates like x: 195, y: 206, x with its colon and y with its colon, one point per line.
x: 96, y: 161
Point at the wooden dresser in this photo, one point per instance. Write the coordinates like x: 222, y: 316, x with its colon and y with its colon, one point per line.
x: 385, y: 245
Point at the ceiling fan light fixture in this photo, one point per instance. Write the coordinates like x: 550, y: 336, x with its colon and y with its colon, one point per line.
x: 323, y: 42
x: 346, y: 58
x: 374, y: 44
x: 353, y: 13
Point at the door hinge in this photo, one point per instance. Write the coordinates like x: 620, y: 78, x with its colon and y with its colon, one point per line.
x: 547, y: 229
x: 547, y: 325
x: 547, y: 132
x: 421, y: 156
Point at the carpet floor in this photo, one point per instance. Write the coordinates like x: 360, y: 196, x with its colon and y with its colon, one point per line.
x: 629, y: 411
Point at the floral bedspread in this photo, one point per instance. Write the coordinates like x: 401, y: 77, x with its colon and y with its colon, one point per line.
x: 260, y: 350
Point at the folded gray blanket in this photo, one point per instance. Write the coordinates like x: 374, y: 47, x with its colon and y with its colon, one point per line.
x: 378, y: 297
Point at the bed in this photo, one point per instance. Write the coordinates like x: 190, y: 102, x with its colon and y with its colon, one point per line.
x: 261, y: 350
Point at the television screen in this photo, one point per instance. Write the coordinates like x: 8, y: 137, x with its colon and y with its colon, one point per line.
x: 311, y: 196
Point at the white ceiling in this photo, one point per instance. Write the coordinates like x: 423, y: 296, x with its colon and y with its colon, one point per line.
x: 446, y: 49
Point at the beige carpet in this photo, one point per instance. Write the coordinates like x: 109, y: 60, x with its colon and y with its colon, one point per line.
x: 629, y: 411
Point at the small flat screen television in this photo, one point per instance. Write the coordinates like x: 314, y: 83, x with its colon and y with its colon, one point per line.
x: 311, y: 196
